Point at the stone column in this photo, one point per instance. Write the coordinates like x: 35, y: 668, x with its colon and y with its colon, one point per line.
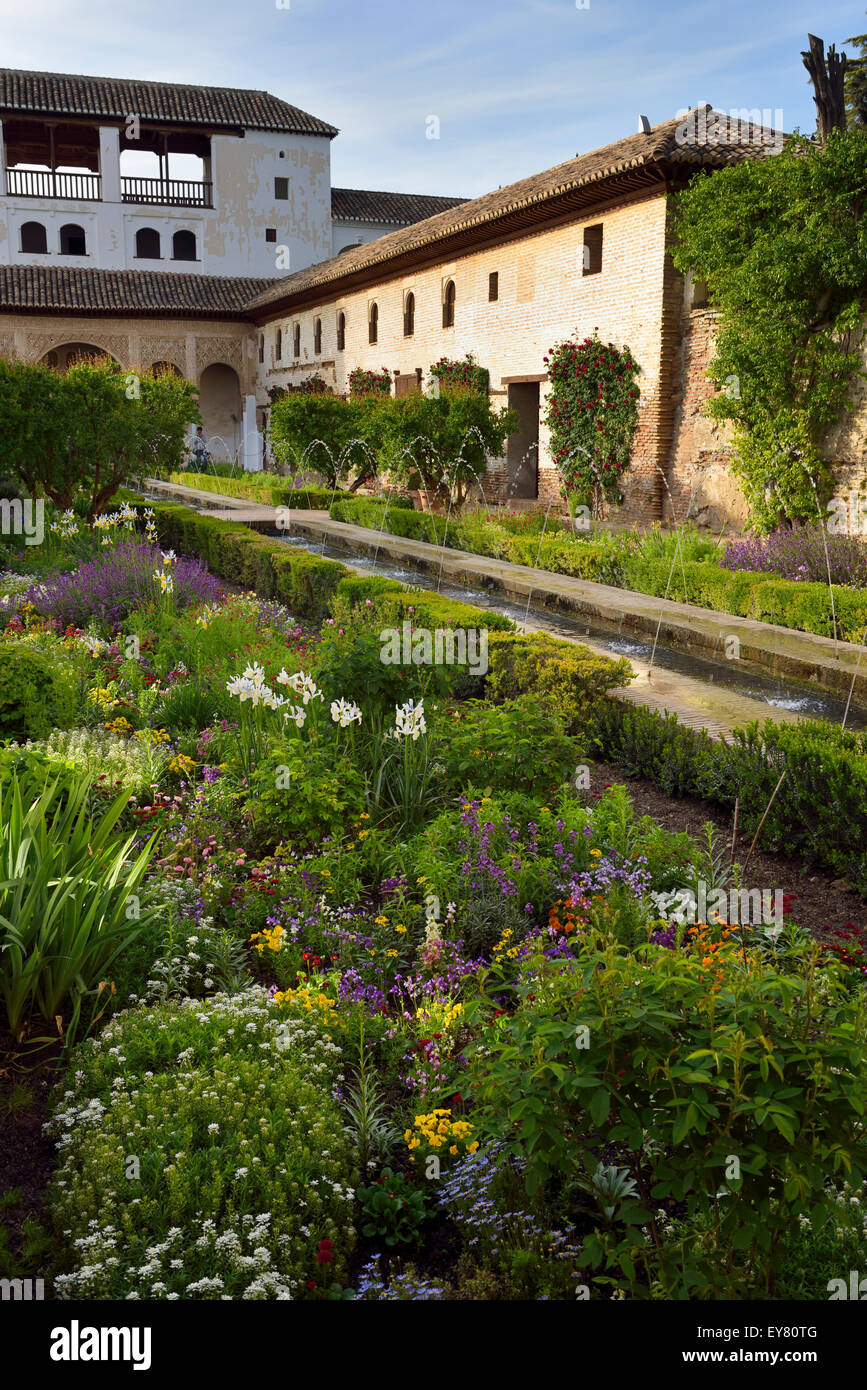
x: 109, y: 163
x: 251, y: 444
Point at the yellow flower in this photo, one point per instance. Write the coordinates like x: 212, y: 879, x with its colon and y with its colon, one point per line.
x: 596, y: 851
x: 400, y: 927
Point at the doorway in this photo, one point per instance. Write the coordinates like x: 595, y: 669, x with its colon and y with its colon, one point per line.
x: 522, y: 458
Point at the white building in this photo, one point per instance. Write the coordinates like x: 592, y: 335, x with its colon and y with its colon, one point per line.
x: 139, y: 218
x: 110, y: 174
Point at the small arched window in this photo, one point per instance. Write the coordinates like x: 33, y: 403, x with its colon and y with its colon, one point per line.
x: 296, y: 340
x: 409, y: 315
x: 278, y: 345
x: 373, y: 323
x: 72, y: 240
x: 317, y: 337
x: 34, y: 239
x: 449, y: 305
x: 184, y: 246
x: 147, y: 244
x: 341, y: 332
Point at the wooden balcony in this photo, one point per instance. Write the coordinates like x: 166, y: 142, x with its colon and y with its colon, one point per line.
x: 167, y: 193
x: 45, y: 183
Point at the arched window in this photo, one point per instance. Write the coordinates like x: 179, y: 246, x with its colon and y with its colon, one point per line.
x: 34, y: 239
x: 341, y: 332
x: 409, y: 315
x: 72, y: 240
x: 147, y: 244
x: 373, y: 323
x: 317, y: 337
x: 296, y: 340
x: 449, y: 305
x: 278, y: 345
x: 184, y: 246
x: 261, y: 347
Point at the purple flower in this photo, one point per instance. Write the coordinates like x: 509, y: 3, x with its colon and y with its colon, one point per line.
x: 118, y: 581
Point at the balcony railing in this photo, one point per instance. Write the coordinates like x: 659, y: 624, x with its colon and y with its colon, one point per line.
x: 45, y: 183
x: 171, y: 193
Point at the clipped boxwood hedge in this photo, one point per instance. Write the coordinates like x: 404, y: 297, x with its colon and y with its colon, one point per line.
x: 820, y: 810
x: 266, y: 488
x: 571, y: 676
x: 231, y: 550
x: 805, y: 607
x: 749, y: 594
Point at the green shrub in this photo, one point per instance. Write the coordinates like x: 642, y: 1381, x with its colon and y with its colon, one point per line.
x: 820, y: 809
x: 641, y: 1055
x: 392, y: 1209
x: 36, y: 694
x: 571, y: 676
x: 520, y: 745
x: 303, y: 791
x: 302, y: 581
x: 242, y: 1166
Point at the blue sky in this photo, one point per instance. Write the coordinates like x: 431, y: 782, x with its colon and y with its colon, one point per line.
x: 517, y: 85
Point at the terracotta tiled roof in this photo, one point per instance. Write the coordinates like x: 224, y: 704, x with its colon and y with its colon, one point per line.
x: 115, y: 98
x: 361, y: 205
x: 65, y: 289
x: 666, y: 151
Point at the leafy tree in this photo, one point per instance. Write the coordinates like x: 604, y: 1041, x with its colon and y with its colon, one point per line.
x: 782, y: 245
x: 322, y: 432
x: 92, y: 429
x: 440, y: 443
x: 856, y: 83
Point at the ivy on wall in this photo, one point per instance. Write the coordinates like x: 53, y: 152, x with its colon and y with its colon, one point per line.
x: 782, y: 245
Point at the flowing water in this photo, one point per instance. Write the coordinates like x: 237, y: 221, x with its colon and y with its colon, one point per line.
x: 771, y: 691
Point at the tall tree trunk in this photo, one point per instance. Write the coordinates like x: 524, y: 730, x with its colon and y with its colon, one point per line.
x: 828, y: 90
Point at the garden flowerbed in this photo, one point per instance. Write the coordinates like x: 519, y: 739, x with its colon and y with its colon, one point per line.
x: 353, y: 978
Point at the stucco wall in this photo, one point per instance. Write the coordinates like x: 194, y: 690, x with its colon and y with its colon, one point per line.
x: 230, y: 237
x: 190, y: 345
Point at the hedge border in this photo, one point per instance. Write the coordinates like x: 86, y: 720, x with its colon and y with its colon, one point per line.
x: 799, y: 606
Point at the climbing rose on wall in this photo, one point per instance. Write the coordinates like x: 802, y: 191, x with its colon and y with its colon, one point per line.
x: 591, y: 412
x: 363, y: 383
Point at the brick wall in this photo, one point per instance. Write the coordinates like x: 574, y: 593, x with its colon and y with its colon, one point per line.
x: 543, y: 298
